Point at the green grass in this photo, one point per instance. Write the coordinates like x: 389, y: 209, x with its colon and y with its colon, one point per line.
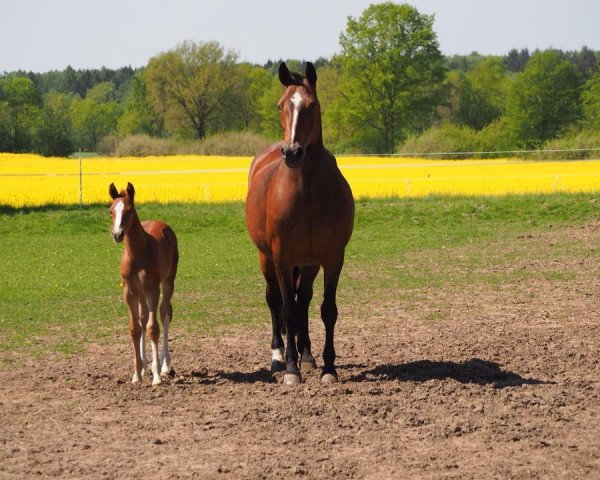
x: 59, y: 266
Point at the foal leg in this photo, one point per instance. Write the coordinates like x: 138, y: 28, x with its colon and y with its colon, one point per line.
x: 143, y: 309
x: 135, y: 329
x: 304, y: 294
x: 329, y: 315
x: 153, y: 331
x: 274, y: 302
x: 166, y: 314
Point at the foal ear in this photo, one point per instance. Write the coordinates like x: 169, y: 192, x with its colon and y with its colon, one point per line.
x: 112, y: 191
x: 310, y: 74
x: 130, y: 191
x: 285, y: 76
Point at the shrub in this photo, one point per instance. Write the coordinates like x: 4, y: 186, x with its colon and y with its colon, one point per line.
x: 442, y: 140
x: 226, y: 143
x: 579, y: 142
x: 142, y: 146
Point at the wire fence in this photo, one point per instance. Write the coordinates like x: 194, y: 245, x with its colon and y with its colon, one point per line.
x: 216, y: 179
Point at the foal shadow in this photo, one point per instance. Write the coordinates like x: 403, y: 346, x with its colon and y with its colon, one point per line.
x: 477, y: 371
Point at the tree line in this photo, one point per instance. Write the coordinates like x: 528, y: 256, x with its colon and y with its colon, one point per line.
x: 389, y: 89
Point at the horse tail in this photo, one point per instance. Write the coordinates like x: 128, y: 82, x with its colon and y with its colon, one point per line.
x: 172, y: 240
x: 296, y: 278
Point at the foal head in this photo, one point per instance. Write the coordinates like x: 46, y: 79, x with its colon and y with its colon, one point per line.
x: 121, y: 210
x: 300, y: 114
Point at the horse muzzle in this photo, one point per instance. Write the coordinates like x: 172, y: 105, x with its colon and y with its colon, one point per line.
x: 118, y: 236
x: 293, y: 155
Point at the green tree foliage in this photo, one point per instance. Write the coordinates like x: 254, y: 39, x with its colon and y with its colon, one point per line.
x: 139, y: 115
x: 190, y: 83
x: 392, y: 71
x: 93, y: 118
x: 55, y: 133
x: 544, y: 99
x: 591, y: 102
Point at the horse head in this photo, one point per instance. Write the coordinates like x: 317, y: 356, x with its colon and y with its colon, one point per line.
x: 300, y: 114
x: 121, y: 210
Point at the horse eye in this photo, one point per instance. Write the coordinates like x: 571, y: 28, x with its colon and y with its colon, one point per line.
x: 312, y: 105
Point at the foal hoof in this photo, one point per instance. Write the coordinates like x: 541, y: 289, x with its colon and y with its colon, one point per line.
x: 308, y: 363
x: 292, y: 379
x: 277, y: 366
x: 156, y: 380
x: 329, y: 378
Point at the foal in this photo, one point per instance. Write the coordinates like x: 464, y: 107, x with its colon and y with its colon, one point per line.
x: 149, y: 261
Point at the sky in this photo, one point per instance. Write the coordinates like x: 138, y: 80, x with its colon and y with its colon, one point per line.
x: 44, y: 35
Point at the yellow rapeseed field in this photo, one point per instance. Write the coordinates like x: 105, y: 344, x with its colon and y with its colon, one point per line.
x: 31, y: 180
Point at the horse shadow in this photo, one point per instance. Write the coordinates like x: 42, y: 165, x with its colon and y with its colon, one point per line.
x: 475, y: 371
x: 258, y: 376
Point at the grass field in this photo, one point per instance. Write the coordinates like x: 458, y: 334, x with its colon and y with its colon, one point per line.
x: 31, y: 180
x: 59, y: 267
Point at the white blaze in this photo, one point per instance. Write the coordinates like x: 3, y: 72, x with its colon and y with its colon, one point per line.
x: 297, y: 101
x: 118, y: 217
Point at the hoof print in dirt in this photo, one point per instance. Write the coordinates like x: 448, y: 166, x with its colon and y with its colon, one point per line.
x: 329, y: 378
x: 292, y: 379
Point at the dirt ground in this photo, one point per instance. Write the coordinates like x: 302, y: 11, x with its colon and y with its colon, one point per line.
x: 490, y: 380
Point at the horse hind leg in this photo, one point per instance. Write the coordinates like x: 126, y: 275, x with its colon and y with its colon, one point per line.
x: 153, y: 332
x: 166, y: 314
x: 135, y: 329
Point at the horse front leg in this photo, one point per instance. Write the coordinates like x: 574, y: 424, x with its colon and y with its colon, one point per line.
x: 273, y: 297
x: 153, y: 331
x: 135, y: 329
x: 329, y: 314
x: 304, y: 294
x: 289, y: 317
x: 143, y: 311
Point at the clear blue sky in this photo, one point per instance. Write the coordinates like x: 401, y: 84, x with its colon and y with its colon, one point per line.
x: 42, y: 35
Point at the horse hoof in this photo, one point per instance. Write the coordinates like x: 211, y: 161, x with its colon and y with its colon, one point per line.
x: 156, y: 381
x: 329, y: 378
x: 292, y: 379
x: 277, y: 366
x: 308, y: 363
x: 136, y: 378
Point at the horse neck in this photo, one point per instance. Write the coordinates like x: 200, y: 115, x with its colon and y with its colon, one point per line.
x: 135, y: 238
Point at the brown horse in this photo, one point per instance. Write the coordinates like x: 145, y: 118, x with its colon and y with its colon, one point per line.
x: 300, y: 215
x: 149, y: 261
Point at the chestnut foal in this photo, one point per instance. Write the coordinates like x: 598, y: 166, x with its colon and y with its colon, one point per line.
x: 149, y: 261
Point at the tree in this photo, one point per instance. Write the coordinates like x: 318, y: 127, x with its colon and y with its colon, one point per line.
x: 22, y: 104
x: 544, y: 99
x: 392, y: 72
x: 191, y: 82
x: 255, y: 81
x: 482, y: 93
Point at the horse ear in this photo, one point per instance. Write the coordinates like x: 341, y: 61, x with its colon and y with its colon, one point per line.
x: 130, y: 191
x: 284, y: 75
x: 112, y: 191
x: 310, y: 74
